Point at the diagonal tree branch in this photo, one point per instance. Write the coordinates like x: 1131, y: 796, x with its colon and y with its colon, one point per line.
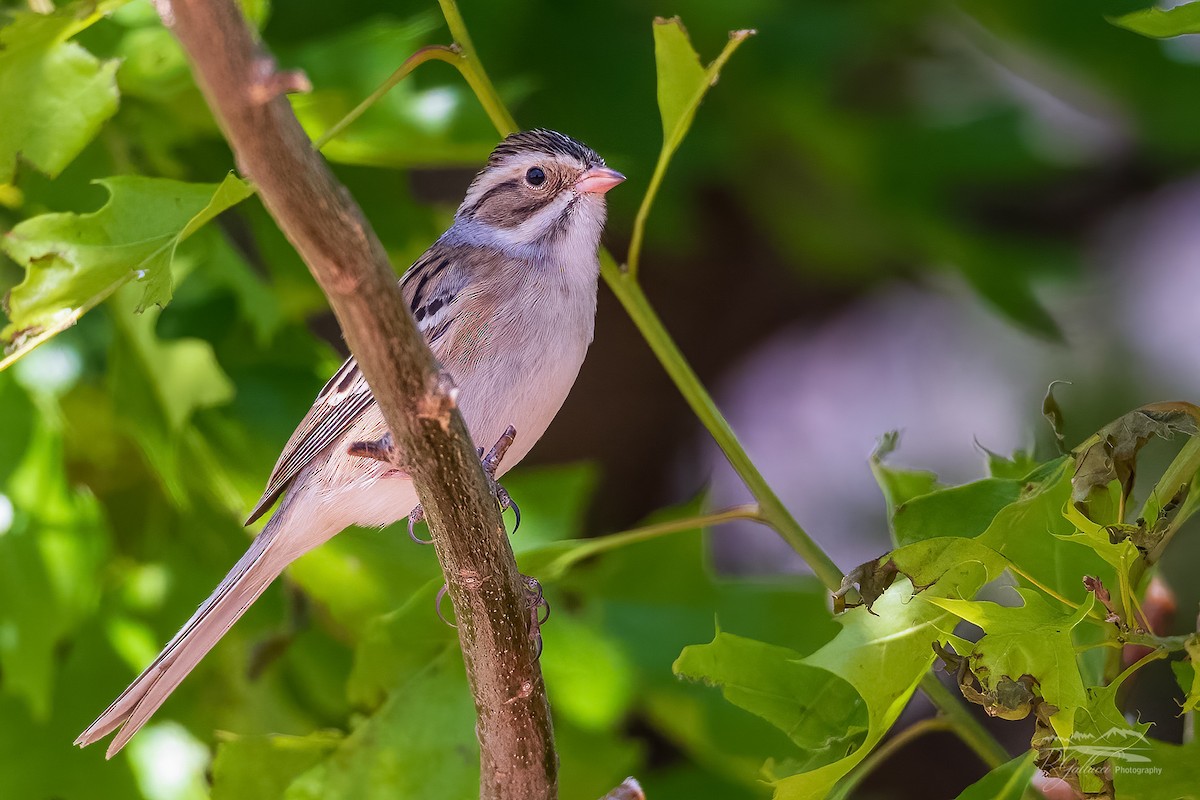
x: 246, y: 93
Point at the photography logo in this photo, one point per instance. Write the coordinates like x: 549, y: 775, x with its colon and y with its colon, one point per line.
x: 1126, y: 750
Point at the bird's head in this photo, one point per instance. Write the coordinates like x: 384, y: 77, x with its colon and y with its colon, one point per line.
x: 540, y: 190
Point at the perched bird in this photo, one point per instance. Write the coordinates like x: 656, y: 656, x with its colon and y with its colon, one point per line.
x: 506, y: 299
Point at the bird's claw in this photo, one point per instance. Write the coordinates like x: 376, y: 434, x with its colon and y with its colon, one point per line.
x: 415, y: 516
x: 537, y: 602
x: 438, y: 604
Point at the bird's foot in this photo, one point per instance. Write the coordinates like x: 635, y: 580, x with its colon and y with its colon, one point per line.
x: 539, y: 609
x: 383, y: 450
x: 537, y: 604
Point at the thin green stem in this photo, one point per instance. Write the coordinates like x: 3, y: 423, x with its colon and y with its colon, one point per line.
x: 886, y: 750
x: 963, y: 723
x: 472, y: 70
x: 1181, y: 472
x: 603, y: 544
x: 436, y: 52
x: 625, y: 286
x: 671, y: 141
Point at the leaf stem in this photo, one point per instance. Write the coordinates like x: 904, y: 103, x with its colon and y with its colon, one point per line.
x: 472, y: 70
x: 1182, y: 471
x: 963, y: 723
x: 603, y: 544
x: 625, y: 286
x: 886, y: 750
x: 435, y: 52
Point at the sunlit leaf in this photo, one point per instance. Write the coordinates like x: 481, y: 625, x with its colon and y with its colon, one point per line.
x: 74, y: 261
x: 56, y: 94
x: 1161, y: 23
x: 884, y: 656
x: 1032, y: 639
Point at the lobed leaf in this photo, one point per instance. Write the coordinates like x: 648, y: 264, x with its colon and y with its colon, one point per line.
x: 1031, y: 639
x: 75, y: 261
x: 63, y: 93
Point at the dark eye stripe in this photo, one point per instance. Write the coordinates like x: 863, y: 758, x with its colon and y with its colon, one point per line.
x: 499, y: 188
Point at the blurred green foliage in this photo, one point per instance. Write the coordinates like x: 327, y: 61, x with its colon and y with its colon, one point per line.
x: 856, y: 139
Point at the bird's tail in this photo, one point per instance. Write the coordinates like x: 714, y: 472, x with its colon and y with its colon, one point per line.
x: 252, y: 574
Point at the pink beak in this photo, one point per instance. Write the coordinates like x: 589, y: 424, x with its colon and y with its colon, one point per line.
x: 598, y: 180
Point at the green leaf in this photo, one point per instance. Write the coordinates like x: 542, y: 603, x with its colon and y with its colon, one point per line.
x: 1030, y: 531
x: 965, y: 510
x: 1032, y: 639
x: 1169, y: 773
x: 897, y: 484
x: 1161, y: 23
x: 157, y: 386
x: 587, y: 673
x: 421, y: 743
x: 1006, y: 782
x: 424, y: 122
x: 1101, y: 733
x: 682, y: 79
x: 883, y: 655
x: 819, y: 711
x: 55, y: 94
x: 51, y: 554
x: 262, y: 767
x: 74, y: 261
x: 1188, y: 673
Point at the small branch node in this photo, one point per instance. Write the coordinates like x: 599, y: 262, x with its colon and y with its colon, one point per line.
x: 525, y: 691
x: 439, y: 400
x: 270, y: 83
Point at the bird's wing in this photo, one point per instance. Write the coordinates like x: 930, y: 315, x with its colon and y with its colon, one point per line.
x: 430, y: 287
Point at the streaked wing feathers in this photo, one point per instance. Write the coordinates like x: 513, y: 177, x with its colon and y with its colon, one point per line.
x: 345, y: 397
x: 431, y: 286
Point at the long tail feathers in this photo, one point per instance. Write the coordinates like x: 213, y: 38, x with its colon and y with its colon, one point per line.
x: 252, y: 574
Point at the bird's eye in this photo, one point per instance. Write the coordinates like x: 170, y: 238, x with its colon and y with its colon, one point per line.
x: 535, y: 176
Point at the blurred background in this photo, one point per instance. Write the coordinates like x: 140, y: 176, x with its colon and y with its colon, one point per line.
x: 888, y: 215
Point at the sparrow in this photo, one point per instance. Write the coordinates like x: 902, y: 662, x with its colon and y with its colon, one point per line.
x: 506, y: 299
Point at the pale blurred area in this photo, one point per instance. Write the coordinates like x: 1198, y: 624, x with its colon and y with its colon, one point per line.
x: 929, y: 359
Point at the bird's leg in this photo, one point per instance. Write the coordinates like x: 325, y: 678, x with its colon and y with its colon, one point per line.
x: 384, y: 449
x: 491, y: 463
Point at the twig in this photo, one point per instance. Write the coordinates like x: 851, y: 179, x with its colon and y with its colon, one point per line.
x: 327, y: 228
